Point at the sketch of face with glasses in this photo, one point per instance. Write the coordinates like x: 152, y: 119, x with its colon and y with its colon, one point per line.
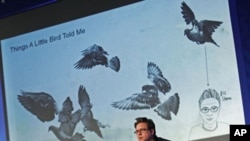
x: 209, y: 110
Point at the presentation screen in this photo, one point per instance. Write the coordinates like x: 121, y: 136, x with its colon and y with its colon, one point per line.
x: 89, y: 78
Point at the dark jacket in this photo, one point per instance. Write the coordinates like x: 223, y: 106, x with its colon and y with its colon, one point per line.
x: 160, y: 139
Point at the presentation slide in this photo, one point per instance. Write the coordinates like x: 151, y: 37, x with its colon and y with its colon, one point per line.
x: 90, y: 78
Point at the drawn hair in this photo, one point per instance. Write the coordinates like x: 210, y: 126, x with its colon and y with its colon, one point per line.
x: 209, y: 93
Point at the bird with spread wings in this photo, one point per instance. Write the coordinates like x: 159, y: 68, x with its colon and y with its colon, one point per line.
x: 148, y: 98
x: 201, y: 31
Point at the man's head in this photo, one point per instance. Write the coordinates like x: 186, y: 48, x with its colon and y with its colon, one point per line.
x: 209, y: 104
x: 144, y: 129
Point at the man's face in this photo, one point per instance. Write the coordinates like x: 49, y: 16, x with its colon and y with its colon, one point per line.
x: 209, y: 110
x: 143, y: 133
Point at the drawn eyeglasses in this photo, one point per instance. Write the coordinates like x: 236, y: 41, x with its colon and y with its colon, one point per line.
x: 207, y: 109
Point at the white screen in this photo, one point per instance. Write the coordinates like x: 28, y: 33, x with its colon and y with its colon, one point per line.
x: 139, y: 33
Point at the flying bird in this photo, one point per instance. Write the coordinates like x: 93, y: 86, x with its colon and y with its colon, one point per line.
x: 171, y: 105
x: 147, y: 99
x: 156, y: 77
x: 64, y: 137
x: 40, y: 104
x: 68, y: 122
x: 201, y: 31
x: 44, y: 107
x: 87, y: 118
x: 66, y: 112
x: 96, y: 55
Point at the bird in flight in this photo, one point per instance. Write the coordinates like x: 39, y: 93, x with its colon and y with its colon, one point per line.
x: 148, y: 98
x: 170, y: 105
x: 44, y: 107
x: 95, y: 55
x: 156, y: 77
x: 40, y: 104
x: 68, y: 122
x: 87, y: 118
x: 201, y: 31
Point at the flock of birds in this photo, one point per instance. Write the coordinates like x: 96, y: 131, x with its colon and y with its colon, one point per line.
x: 44, y: 106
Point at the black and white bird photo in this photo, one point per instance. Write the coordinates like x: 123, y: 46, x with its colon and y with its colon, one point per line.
x: 87, y: 118
x: 156, y: 77
x: 201, y: 31
x: 131, y: 61
x: 96, y: 55
x: 40, y: 104
x: 44, y: 107
x: 68, y: 122
x: 148, y: 98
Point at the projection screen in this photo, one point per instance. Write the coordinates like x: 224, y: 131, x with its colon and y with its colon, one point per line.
x: 94, y: 75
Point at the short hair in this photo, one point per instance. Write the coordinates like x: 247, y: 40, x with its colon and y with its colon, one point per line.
x: 149, y: 122
x: 209, y: 93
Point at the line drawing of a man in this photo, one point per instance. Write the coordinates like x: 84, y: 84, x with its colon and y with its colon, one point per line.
x: 209, y: 109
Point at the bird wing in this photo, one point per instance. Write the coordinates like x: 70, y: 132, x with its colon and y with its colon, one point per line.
x: 155, y: 75
x: 90, y: 60
x: 114, y: 63
x: 188, y: 14
x: 84, y: 100
x: 86, y: 114
x: 138, y: 101
x: 154, y: 69
x: 91, y: 124
x: 170, y: 105
x: 78, y: 137
x: 65, y: 113
x: 28, y: 103
x: 40, y: 104
x: 76, y: 116
x: 209, y: 27
x: 68, y: 127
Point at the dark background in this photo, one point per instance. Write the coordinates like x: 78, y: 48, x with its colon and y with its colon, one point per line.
x: 11, y: 7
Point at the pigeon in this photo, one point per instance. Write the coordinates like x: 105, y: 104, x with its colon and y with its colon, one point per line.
x: 87, y: 118
x: 201, y: 31
x: 66, y: 112
x: 40, y: 104
x: 62, y: 136
x: 147, y: 99
x: 68, y: 122
x: 156, y: 77
x: 96, y: 55
x: 66, y: 129
x: 43, y: 106
x: 170, y: 105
